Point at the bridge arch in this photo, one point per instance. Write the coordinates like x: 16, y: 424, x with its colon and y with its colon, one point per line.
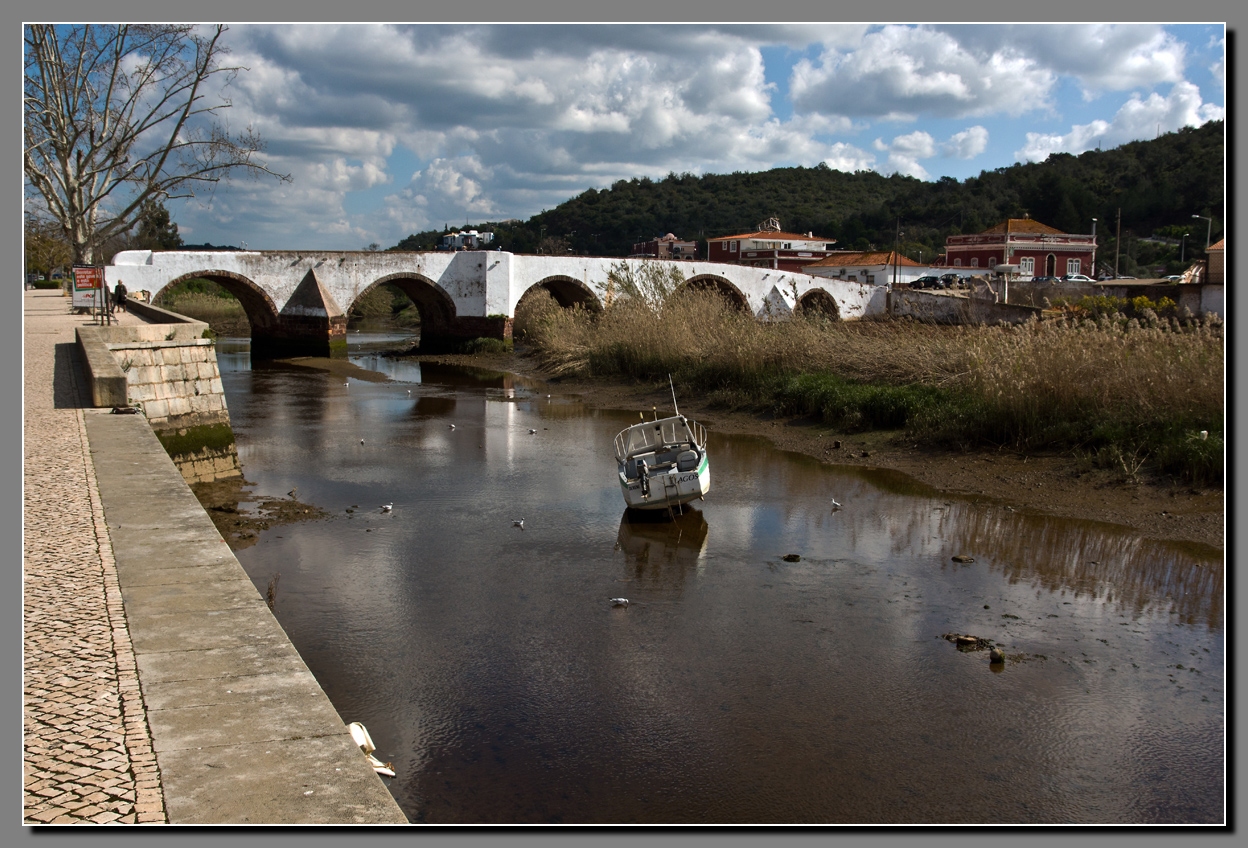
x: 721, y: 286
x: 261, y: 312
x: 567, y: 292
x: 436, y: 307
x: 817, y: 303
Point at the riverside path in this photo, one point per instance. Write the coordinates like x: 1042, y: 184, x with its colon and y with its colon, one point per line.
x: 157, y: 686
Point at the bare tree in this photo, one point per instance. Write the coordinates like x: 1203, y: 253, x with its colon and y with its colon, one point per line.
x: 119, y: 115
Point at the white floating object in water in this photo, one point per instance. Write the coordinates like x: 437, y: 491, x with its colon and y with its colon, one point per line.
x: 519, y: 522
x: 387, y: 507
x: 619, y: 602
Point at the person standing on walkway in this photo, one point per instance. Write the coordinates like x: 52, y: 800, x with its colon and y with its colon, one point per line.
x: 119, y: 296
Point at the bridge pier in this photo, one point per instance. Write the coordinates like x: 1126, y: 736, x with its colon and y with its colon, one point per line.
x: 310, y: 324
x: 450, y: 337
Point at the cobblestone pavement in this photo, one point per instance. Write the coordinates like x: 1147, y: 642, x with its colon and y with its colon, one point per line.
x: 87, y: 748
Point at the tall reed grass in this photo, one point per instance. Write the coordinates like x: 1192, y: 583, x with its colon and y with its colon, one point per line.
x: 225, y: 316
x: 1126, y: 392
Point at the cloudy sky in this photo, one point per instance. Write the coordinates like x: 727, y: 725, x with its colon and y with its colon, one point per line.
x: 390, y: 130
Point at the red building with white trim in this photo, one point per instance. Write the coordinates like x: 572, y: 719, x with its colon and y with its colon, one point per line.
x: 1038, y: 249
x: 770, y: 247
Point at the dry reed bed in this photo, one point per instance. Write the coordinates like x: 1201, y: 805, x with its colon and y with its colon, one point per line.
x: 1138, y: 388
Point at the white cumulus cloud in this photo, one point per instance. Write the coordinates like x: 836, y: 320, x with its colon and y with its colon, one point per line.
x: 1138, y: 118
x: 967, y: 144
x: 905, y: 151
x: 900, y: 72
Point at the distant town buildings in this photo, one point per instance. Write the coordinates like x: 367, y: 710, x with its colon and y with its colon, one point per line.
x: 872, y: 267
x: 665, y: 247
x: 770, y: 247
x: 470, y: 240
x: 1037, y: 249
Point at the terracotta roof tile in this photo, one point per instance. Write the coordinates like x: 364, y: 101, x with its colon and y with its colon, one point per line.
x: 1220, y: 244
x: 1021, y: 225
x: 878, y: 257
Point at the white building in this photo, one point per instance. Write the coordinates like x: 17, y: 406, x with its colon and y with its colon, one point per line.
x: 470, y: 240
x: 871, y: 267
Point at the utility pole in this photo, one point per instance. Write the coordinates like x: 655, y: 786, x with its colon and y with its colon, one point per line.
x: 1093, y: 274
x: 896, y: 245
x: 1117, y: 242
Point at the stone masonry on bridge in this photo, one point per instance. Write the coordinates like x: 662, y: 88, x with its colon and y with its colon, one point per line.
x: 298, y: 301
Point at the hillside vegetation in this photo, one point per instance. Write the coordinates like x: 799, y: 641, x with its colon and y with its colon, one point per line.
x: 1158, y: 184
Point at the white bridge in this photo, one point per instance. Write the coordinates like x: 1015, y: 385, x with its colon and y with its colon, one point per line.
x: 297, y: 300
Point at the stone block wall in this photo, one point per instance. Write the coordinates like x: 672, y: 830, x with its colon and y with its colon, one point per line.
x: 177, y: 385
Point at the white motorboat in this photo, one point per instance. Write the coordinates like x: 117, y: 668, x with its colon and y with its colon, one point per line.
x: 663, y: 463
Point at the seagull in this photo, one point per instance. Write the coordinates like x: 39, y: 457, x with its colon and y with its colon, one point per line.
x: 347, y: 384
x: 409, y: 391
x: 619, y: 602
x: 519, y: 522
x: 531, y: 432
x: 361, y: 441
x: 292, y: 491
x: 387, y: 507
x: 452, y: 426
x: 835, y: 505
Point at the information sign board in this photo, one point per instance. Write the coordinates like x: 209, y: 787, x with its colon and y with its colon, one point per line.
x: 89, y: 291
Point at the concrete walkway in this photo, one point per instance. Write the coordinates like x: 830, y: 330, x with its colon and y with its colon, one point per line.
x: 158, y: 687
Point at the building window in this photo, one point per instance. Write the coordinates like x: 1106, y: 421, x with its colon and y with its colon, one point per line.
x: 1027, y: 265
x: 1072, y: 266
x: 974, y: 261
x: 957, y: 263
x: 871, y: 279
x: 732, y: 247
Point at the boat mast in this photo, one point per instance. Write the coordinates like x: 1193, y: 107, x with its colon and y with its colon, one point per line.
x: 673, y: 387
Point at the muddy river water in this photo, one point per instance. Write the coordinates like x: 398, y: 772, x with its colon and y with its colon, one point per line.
x: 492, y: 670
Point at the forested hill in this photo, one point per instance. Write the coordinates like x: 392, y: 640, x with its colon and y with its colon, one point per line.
x: 1158, y: 184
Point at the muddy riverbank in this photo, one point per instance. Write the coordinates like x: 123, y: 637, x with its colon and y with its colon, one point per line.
x: 1056, y: 484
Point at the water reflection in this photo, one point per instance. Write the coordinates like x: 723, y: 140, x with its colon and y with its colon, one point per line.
x: 489, y: 665
x: 663, y: 547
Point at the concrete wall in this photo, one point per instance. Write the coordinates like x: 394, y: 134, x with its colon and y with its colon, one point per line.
x: 955, y: 309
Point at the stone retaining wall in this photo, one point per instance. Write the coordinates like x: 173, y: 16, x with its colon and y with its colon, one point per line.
x: 170, y: 373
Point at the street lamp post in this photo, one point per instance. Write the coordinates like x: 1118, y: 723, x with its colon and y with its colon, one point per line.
x: 1208, y: 230
x: 1183, y: 247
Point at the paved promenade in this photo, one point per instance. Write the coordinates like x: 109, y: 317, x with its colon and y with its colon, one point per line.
x: 158, y: 686
x: 88, y: 752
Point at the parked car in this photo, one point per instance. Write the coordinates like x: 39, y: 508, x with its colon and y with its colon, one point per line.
x: 928, y: 282
x: 1078, y: 278
x: 1045, y: 279
x: 950, y: 280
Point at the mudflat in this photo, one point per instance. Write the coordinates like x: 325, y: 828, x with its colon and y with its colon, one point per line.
x: 1057, y: 484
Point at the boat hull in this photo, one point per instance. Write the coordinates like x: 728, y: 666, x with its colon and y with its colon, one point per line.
x: 668, y: 489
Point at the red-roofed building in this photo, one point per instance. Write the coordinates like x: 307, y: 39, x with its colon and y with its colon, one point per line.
x: 666, y: 247
x: 1038, y: 249
x: 770, y: 247
x: 1217, y: 262
x: 874, y: 267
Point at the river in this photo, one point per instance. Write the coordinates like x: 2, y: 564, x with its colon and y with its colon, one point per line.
x: 493, y: 672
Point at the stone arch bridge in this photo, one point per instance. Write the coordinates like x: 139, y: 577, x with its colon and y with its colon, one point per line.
x: 297, y: 300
